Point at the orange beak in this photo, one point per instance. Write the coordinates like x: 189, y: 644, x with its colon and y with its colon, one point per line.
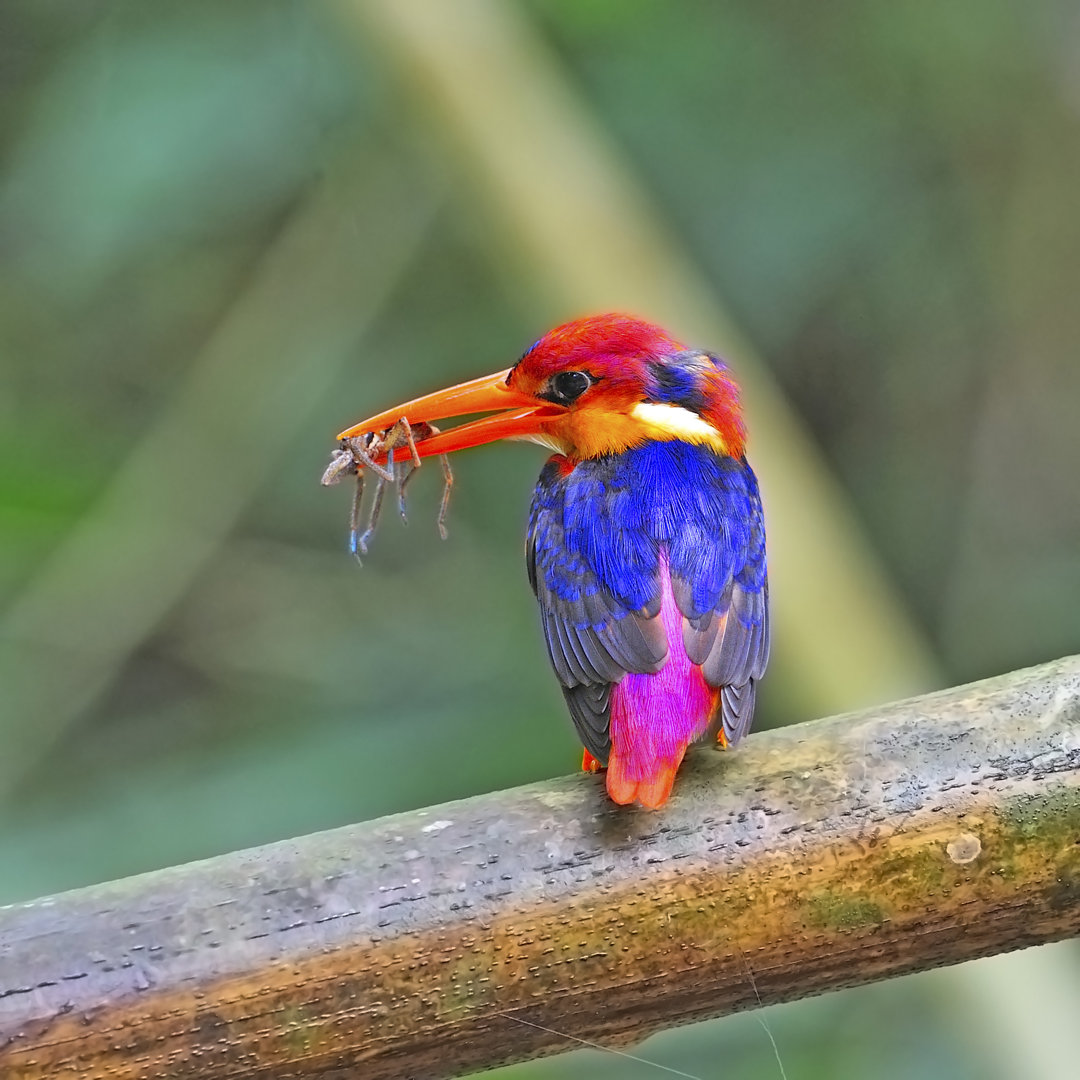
x: 522, y: 417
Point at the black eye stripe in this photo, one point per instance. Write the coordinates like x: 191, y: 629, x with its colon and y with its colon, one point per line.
x: 566, y: 386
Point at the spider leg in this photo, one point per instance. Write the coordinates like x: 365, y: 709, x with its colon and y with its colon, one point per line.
x: 444, y: 506
x: 354, y: 516
x: 373, y: 515
x: 411, y: 442
x: 408, y: 471
x: 399, y: 473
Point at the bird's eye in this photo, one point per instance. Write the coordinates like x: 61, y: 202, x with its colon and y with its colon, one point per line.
x: 569, y: 385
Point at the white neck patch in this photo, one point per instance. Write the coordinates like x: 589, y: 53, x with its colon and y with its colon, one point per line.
x: 675, y: 422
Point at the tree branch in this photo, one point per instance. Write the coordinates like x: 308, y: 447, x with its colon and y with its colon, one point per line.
x: 819, y: 856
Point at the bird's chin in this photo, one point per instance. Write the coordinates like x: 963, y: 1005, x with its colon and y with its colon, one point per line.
x: 550, y: 442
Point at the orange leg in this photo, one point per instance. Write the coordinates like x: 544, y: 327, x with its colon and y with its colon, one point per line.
x: 589, y: 763
x: 721, y: 739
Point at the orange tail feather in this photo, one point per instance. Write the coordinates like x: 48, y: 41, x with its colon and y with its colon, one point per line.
x: 651, y: 791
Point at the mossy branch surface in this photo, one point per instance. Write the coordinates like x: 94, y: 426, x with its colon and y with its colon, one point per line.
x: 814, y: 857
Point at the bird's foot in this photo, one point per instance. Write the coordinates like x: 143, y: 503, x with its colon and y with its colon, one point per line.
x: 589, y: 763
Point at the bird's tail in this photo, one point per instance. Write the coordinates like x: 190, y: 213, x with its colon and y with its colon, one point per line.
x: 651, y: 791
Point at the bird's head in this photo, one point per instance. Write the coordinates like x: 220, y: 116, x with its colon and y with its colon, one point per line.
x: 590, y: 387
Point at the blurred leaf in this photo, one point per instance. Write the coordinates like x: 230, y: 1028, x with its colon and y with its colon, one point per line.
x: 158, y: 128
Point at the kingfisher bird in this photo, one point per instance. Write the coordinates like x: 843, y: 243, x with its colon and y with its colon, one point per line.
x: 646, y: 537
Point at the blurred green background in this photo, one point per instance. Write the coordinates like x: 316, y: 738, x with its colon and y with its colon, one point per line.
x: 227, y: 230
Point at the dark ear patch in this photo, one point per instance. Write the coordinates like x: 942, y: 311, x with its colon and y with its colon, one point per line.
x: 675, y: 383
